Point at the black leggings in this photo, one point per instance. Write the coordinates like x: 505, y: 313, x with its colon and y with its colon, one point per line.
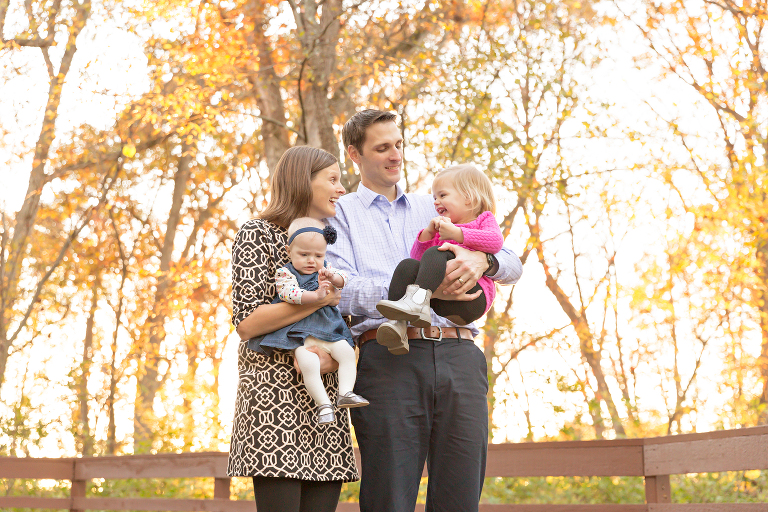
x: 428, y: 274
x: 292, y: 495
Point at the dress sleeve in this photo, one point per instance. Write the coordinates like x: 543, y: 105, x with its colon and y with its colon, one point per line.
x: 253, y: 267
x: 288, y: 288
x: 486, y: 237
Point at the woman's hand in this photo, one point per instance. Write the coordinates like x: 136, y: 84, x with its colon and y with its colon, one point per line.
x: 327, y: 363
x: 332, y: 298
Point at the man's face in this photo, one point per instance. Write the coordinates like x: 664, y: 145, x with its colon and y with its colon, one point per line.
x: 381, y: 160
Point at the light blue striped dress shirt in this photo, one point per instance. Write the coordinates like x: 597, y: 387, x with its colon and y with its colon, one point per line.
x: 374, y: 235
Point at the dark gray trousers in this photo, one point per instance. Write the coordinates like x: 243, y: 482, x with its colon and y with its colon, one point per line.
x: 428, y: 405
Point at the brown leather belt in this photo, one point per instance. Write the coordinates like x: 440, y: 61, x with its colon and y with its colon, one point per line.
x: 428, y: 333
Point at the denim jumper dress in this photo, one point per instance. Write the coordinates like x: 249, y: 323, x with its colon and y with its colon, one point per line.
x: 325, y: 324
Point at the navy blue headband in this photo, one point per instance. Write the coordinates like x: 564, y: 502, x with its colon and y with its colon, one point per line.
x: 328, y: 232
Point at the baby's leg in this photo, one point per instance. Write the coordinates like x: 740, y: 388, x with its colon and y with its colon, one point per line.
x: 345, y: 356
x: 310, y: 369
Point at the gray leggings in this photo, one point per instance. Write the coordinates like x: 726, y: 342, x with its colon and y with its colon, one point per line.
x: 428, y: 274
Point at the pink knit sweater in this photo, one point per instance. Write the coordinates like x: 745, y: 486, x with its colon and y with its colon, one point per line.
x: 482, y: 234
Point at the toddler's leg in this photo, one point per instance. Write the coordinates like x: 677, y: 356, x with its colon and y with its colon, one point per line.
x: 404, y: 274
x: 461, y: 312
x: 310, y: 369
x: 432, y: 268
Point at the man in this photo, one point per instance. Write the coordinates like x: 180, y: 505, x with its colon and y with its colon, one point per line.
x: 429, y: 404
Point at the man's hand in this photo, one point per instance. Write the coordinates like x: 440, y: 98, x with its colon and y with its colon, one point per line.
x: 461, y: 274
x: 327, y: 363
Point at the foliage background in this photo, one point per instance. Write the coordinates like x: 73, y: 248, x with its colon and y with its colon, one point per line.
x: 626, y: 142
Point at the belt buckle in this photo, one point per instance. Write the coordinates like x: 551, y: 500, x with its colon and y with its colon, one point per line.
x: 424, y: 337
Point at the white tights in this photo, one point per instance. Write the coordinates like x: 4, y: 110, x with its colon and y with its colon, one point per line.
x: 309, y: 363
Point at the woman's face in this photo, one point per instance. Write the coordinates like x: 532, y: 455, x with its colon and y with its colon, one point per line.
x: 326, y: 190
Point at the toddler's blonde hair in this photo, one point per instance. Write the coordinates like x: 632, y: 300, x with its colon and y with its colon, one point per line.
x: 470, y: 182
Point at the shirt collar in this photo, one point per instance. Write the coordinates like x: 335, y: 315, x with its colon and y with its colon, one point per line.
x: 367, y: 196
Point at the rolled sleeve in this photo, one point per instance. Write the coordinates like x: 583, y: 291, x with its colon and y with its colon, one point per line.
x: 510, y: 267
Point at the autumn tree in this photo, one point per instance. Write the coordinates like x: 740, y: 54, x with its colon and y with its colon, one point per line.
x: 716, y: 49
x: 516, y: 96
x: 48, y: 24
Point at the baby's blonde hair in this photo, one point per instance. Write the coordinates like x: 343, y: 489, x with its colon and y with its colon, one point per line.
x: 304, y: 222
x: 470, y: 182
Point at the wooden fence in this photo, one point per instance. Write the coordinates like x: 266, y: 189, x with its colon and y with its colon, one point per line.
x: 652, y: 458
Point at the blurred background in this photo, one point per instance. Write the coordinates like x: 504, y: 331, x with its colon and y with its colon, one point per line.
x: 626, y: 141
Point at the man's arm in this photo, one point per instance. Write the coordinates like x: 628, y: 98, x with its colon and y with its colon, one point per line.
x: 510, y: 268
x: 463, y: 272
x: 361, y: 294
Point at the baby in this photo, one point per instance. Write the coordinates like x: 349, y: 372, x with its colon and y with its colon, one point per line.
x: 306, y: 280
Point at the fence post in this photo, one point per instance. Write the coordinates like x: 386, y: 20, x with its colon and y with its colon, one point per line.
x: 77, y: 490
x: 657, y: 489
x: 221, y: 488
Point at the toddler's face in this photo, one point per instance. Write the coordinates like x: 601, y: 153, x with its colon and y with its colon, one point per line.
x: 450, y: 203
x: 307, y: 252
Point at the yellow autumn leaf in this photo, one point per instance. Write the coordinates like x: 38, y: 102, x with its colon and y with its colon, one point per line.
x: 129, y: 150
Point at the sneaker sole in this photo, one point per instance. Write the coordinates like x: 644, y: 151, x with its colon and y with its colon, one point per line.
x: 393, y: 313
x: 390, y: 338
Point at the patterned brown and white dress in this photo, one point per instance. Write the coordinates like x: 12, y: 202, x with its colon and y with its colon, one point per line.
x: 275, y: 432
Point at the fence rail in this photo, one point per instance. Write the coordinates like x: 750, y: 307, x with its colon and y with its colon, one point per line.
x: 655, y: 459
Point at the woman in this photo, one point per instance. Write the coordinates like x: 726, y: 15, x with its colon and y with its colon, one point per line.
x: 296, y: 465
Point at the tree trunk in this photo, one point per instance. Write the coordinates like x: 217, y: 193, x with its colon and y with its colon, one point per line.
x: 319, y: 45
x: 762, y: 306
x: 490, y: 337
x: 84, y: 437
x: 27, y: 215
x: 583, y: 332
x: 149, y: 378
x: 266, y: 84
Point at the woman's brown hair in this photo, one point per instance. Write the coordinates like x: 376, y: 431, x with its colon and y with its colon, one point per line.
x: 291, y: 183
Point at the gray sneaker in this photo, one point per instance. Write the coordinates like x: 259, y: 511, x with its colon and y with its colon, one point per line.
x: 394, y: 335
x: 349, y: 400
x: 325, y: 414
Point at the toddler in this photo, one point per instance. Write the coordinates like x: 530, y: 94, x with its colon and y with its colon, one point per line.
x: 306, y: 280
x: 465, y: 206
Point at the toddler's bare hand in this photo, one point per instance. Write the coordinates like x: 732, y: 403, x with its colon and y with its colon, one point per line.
x: 447, y: 229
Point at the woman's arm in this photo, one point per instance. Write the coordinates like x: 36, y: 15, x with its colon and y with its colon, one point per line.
x: 271, y: 317
x: 252, y: 292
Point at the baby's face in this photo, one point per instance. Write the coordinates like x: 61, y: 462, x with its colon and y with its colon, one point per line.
x: 450, y: 203
x: 307, y: 252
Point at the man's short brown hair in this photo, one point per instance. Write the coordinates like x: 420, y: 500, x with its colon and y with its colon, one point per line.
x: 353, y: 133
